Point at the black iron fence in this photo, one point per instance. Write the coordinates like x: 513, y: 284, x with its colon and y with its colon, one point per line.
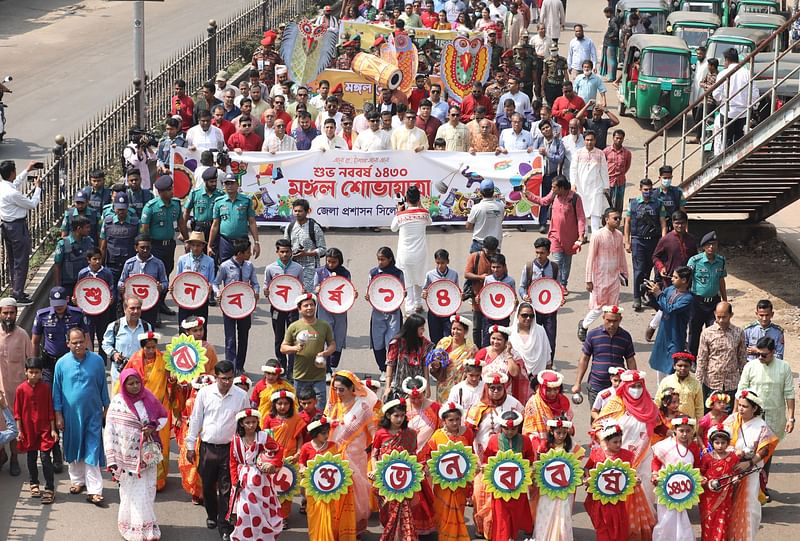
x: 99, y: 143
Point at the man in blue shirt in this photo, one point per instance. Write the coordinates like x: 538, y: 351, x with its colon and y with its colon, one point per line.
x: 121, y: 337
x: 282, y: 320
x: 197, y: 261
x: 708, y: 287
x: 145, y: 263
x: 553, y: 152
x: 50, y: 327
x: 763, y: 326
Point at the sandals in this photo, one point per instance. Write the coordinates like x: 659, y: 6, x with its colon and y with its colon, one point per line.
x: 48, y: 496
x: 35, y: 492
x: 96, y: 499
x: 76, y: 489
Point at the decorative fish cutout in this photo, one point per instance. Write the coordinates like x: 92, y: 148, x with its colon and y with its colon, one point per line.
x: 307, y: 50
x: 464, y: 61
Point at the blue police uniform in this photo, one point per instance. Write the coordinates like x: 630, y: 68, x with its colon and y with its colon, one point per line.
x: 672, y: 198
x: 755, y: 332
x: 645, y: 224
x: 138, y: 199
x: 53, y: 329
x: 90, y: 214
x: 97, y: 200
x: 70, y: 255
x: 120, y: 241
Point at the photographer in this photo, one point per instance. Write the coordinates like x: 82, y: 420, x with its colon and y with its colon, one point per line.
x: 140, y: 153
x: 120, y: 340
x: 172, y: 138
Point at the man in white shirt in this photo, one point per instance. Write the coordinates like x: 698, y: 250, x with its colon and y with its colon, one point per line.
x: 497, y: 11
x: 572, y: 142
x: 580, y: 48
x: 737, y: 88
x: 515, y: 138
x: 221, y: 85
x: 279, y: 140
x: 328, y: 140
x: 589, y: 174
x: 373, y: 139
x: 521, y: 100
x: 14, y: 207
x: 410, y: 221
x: 318, y: 101
x: 454, y: 133
x: 408, y: 136
x: 204, y: 136
x: 214, y: 422
x: 331, y: 111
x: 486, y: 218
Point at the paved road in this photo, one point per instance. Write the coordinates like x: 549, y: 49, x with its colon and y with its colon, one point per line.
x: 22, y: 519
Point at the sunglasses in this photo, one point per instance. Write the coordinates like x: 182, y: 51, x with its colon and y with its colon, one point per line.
x: 763, y: 355
x: 526, y: 316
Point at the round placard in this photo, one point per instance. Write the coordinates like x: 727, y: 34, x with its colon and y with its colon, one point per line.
x: 282, y: 291
x: 546, y: 294
x: 386, y: 293
x: 398, y: 476
x: 452, y: 465
x: 336, y: 294
x: 185, y: 358
x: 238, y: 300
x: 443, y: 298
x: 497, y: 300
x: 190, y: 290
x: 143, y: 286
x: 611, y: 481
x: 507, y: 475
x: 327, y: 477
x: 92, y: 295
x: 678, y: 487
x: 287, y: 481
x: 558, y: 473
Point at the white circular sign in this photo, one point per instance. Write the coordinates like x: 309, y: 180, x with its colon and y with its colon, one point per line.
x: 612, y: 482
x: 497, y: 301
x: 546, y: 295
x: 282, y: 291
x: 190, y: 290
x: 143, y: 286
x: 678, y: 486
x: 327, y: 478
x: 92, y: 295
x: 385, y: 293
x: 452, y: 466
x: 508, y: 475
x: 398, y: 476
x: 557, y: 473
x: 336, y: 294
x: 238, y: 300
x: 443, y: 298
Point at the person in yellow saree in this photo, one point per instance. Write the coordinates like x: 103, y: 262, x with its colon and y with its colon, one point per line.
x: 548, y: 402
x: 287, y: 428
x: 459, y: 348
x: 350, y: 410
x: 149, y: 364
x: 190, y: 477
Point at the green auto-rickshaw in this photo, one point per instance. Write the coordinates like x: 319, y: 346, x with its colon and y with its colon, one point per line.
x: 768, y: 22
x: 744, y: 40
x: 693, y: 27
x: 656, y: 79
x: 757, y: 6
x: 655, y: 10
x: 720, y: 8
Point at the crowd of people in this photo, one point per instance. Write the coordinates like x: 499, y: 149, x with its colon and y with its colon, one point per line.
x: 725, y: 396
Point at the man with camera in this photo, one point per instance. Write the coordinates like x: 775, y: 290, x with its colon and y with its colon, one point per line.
x: 140, y: 153
x: 120, y: 341
x: 14, y: 207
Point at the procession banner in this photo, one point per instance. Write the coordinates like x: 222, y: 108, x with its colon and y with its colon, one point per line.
x: 358, y: 90
x: 357, y: 189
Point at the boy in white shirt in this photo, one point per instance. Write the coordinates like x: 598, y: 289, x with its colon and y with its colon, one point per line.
x: 468, y: 392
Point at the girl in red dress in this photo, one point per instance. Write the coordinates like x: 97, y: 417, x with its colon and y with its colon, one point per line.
x: 716, y: 468
x: 718, y: 404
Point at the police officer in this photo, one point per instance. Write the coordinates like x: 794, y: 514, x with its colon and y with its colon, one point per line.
x: 529, y: 66
x: 761, y: 327
x: 233, y: 216
x: 137, y: 197
x: 671, y: 196
x: 70, y: 254
x: 81, y: 208
x: 108, y: 210
x: 161, y: 217
x: 199, y: 206
x: 145, y: 263
x: 708, y: 287
x: 97, y: 193
x: 118, y: 234
x: 645, y: 223
x: 554, y: 74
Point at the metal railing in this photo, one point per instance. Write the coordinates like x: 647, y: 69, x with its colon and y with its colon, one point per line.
x: 99, y: 143
x: 715, y: 122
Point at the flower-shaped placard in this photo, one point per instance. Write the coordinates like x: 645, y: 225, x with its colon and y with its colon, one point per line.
x: 557, y: 474
x: 453, y: 465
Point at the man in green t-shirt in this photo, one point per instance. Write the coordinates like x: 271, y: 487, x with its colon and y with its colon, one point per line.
x: 309, y: 338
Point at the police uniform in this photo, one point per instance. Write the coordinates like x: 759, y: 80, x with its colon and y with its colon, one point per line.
x: 70, y: 256
x: 138, y: 199
x: 554, y: 74
x: 673, y: 200
x: 108, y: 210
x: 755, y: 332
x: 234, y: 217
x: 201, y: 205
x: 528, y: 69
x: 97, y: 200
x: 645, y: 225
x: 706, y: 279
x: 53, y: 329
x: 497, y: 53
x: 89, y: 213
x: 162, y: 219
x: 119, y: 237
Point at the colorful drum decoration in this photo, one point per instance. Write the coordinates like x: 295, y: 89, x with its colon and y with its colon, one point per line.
x: 678, y: 487
x: 558, y: 474
x: 238, y: 300
x: 443, y: 298
x: 546, y: 294
x: 282, y: 291
x: 398, y: 476
x: 611, y: 481
x: 287, y: 481
x: 507, y: 475
x: 386, y: 293
x: 497, y: 301
x: 336, y: 294
x: 92, y: 295
x: 327, y: 477
x: 185, y: 358
x: 190, y: 290
x: 453, y: 465
x: 143, y: 286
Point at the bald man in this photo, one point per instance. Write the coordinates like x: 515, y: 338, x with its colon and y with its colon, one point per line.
x: 722, y: 354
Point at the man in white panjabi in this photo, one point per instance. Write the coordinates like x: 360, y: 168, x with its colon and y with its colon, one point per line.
x: 588, y: 172
x: 410, y: 221
x: 408, y: 136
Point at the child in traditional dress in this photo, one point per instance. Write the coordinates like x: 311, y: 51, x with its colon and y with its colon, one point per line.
x: 243, y: 382
x: 509, y: 517
x: 307, y: 399
x: 261, y: 395
x: 195, y: 326
x: 610, y: 520
x: 394, y: 434
x: 36, y: 422
x: 668, y: 409
x: 554, y: 515
x: 255, y: 458
x: 468, y: 392
x: 717, y: 469
x: 287, y: 428
x: 190, y: 477
x: 681, y: 448
x: 335, y: 520
x: 383, y: 326
x: 717, y: 404
x: 605, y: 395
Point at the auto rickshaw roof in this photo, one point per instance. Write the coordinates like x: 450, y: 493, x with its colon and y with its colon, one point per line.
x: 689, y: 17
x: 760, y: 3
x: 647, y: 5
x: 657, y: 41
x: 752, y: 34
x: 769, y: 19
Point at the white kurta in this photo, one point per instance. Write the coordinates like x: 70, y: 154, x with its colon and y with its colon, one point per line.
x: 589, y: 174
x: 672, y: 525
x: 551, y: 14
x: 412, y: 251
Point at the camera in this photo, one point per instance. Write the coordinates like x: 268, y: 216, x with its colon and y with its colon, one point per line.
x: 142, y: 138
x: 222, y: 158
x: 121, y: 363
x: 644, y: 289
x: 399, y: 199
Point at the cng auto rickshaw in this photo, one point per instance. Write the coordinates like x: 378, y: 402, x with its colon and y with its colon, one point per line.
x: 655, y: 10
x: 744, y: 40
x: 768, y: 22
x: 693, y: 27
x: 757, y: 6
x: 656, y: 80
x: 720, y: 8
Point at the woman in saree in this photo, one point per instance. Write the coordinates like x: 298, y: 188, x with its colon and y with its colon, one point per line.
x: 754, y: 444
x: 190, y: 477
x: 547, y: 403
x: 406, y: 356
x: 352, y: 417
x: 529, y: 339
x: 633, y: 410
x: 459, y: 348
x: 500, y: 358
x: 134, y: 417
x: 149, y: 364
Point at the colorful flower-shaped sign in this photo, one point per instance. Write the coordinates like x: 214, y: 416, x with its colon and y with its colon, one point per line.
x: 287, y: 481
x: 507, y: 475
x: 398, y: 476
x: 452, y: 465
x: 678, y: 487
x: 611, y: 481
x: 185, y: 358
x: 327, y: 477
x: 557, y: 474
